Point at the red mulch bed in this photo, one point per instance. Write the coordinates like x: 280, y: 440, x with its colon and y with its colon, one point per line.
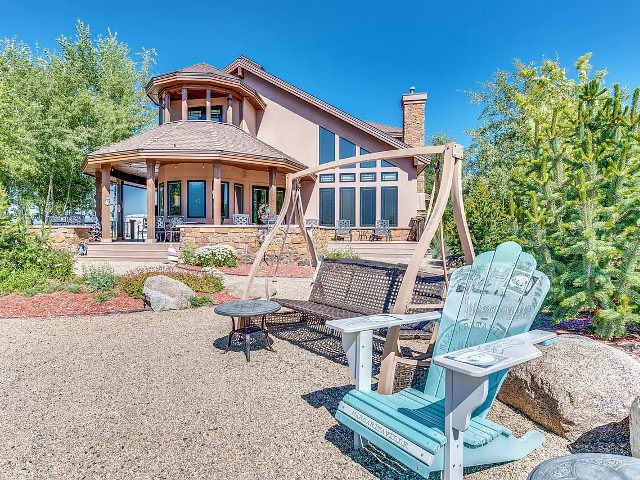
x: 73, y: 304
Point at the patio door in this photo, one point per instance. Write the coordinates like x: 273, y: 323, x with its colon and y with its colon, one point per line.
x: 238, y: 197
x: 259, y: 196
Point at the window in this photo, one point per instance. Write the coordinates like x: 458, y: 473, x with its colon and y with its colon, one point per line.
x: 161, y: 199
x: 195, y: 199
x: 385, y: 164
x: 367, y: 206
x: 389, y: 207
x: 238, y: 193
x: 260, y: 196
x: 200, y: 113
x: 347, y: 149
x: 368, y: 177
x: 327, y: 207
x: 371, y: 164
x: 224, y: 209
x: 327, y: 146
x: 389, y: 176
x: 348, y: 204
x: 347, y: 177
x: 174, y: 192
x: 327, y: 178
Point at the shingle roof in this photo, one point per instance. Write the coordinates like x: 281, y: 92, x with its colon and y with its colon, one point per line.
x: 198, y: 136
x: 395, y: 132
x: 203, y: 67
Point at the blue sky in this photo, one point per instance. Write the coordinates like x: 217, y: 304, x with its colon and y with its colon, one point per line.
x: 359, y: 56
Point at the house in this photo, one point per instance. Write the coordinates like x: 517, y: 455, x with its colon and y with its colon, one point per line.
x: 227, y: 138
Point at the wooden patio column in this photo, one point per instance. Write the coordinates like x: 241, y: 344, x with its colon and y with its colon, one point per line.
x: 273, y: 178
x: 208, y: 109
x: 185, y: 112
x: 167, y: 107
x: 217, y: 194
x: 105, y: 201
x: 151, y: 201
x: 229, y: 108
x: 99, y: 193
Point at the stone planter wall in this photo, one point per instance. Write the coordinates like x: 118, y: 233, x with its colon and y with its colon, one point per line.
x: 65, y: 237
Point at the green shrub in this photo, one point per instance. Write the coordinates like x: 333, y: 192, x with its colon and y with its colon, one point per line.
x: 339, y: 253
x: 196, y: 301
x: 104, y: 296
x: 20, y: 280
x: 100, y: 277
x: 188, y: 255
x: 133, y: 282
x: 219, y: 255
x: 72, y: 288
x: 45, y: 288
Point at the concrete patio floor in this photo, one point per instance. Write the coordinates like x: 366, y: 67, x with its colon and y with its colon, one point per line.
x: 151, y: 395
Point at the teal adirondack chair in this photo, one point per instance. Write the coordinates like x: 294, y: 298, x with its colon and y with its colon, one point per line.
x: 496, y: 297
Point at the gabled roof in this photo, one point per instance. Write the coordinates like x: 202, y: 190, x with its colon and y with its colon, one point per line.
x: 395, y: 132
x: 203, y: 67
x: 196, y: 140
x: 259, y: 71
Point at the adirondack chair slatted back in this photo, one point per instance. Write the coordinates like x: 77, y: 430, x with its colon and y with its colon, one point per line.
x: 498, y: 296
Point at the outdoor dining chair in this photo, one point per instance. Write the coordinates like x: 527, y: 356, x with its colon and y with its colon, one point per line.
x: 343, y: 228
x: 142, y: 228
x: 381, y: 229
x: 161, y: 230
x: 75, y: 219
x: 241, y: 219
x: 174, y: 232
x: 56, y: 220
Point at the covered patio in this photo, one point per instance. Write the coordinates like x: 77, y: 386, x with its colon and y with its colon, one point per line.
x: 198, y: 172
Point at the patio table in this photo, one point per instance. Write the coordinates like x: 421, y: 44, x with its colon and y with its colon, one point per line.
x: 244, y: 310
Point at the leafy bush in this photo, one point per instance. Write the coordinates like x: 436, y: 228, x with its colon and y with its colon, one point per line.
x: 219, y: 255
x: 188, y: 255
x: 100, y: 277
x: 196, y: 301
x: 340, y: 253
x: 20, y: 280
x: 133, y: 282
x: 104, y: 296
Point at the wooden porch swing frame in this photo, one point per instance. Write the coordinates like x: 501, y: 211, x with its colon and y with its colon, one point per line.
x: 448, y: 184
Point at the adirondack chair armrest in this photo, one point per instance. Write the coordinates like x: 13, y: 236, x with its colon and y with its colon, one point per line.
x: 357, y: 339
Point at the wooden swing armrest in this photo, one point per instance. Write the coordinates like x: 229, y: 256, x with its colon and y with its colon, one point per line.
x: 422, y: 360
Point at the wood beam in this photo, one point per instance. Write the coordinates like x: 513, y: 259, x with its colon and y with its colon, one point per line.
x: 151, y: 201
x: 99, y: 193
x: 105, y: 201
x: 217, y: 194
x: 185, y: 111
x: 273, y: 179
x: 167, y: 107
x: 208, y: 110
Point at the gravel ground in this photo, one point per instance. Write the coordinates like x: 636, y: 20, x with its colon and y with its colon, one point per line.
x: 150, y: 395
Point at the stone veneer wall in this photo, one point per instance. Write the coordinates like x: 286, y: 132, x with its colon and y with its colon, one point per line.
x: 65, y: 237
x: 246, y: 242
x: 413, y: 106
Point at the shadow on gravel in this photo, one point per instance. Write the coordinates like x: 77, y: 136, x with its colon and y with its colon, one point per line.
x: 609, y: 438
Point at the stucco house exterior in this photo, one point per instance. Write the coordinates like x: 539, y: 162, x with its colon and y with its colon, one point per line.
x: 226, y: 139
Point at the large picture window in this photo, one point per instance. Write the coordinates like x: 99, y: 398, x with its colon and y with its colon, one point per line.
x: 367, y: 206
x: 347, y: 149
x: 161, y: 199
x: 195, y: 199
x: 327, y: 146
x: 348, y: 204
x: 389, y: 206
x: 327, y: 207
x: 224, y: 209
x: 174, y: 196
x: 371, y: 164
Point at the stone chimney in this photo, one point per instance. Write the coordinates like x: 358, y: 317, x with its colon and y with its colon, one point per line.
x: 413, y: 134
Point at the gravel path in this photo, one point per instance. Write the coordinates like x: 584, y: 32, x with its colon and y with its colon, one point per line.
x: 150, y: 395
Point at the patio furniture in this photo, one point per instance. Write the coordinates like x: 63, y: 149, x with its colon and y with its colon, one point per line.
x: 244, y: 310
x: 381, y: 229
x: 56, y: 220
x: 95, y: 230
x: 587, y: 466
x: 75, y: 219
x: 142, y: 228
x: 483, y: 331
x: 161, y: 230
x: 241, y: 219
x: 174, y: 231
x: 311, y: 222
x: 343, y: 229
x: 346, y: 288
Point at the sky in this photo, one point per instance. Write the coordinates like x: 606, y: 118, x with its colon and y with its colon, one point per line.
x: 360, y: 56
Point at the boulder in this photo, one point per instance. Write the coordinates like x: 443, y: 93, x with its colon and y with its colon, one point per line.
x: 165, y: 293
x: 578, y: 385
x: 634, y: 427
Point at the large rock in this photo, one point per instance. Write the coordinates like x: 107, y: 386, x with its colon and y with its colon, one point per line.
x: 166, y: 293
x: 634, y: 427
x: 577, y: 385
